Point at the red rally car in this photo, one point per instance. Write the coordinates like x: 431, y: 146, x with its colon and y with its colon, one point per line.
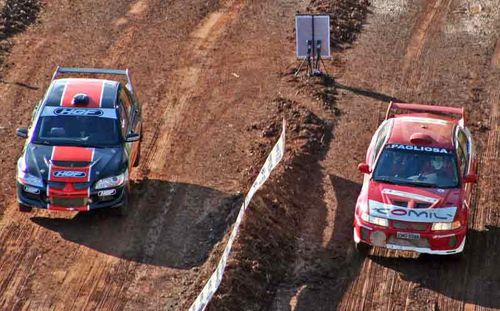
x: 419, y: 171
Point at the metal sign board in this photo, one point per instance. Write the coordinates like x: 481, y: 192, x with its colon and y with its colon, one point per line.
x: 311, y: 30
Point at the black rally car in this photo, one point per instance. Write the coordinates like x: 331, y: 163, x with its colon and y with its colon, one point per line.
x: 82, y: 144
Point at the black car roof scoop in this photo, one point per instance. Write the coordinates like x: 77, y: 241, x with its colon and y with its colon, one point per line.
x: 80, y: 99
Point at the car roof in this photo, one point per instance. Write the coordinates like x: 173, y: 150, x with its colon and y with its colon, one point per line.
x: 101, y: 93
x: 436, y: 130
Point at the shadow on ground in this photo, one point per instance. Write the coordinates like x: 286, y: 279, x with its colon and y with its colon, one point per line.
x: 474, y: 278
x: 170, y: 224
x: 339, y: 262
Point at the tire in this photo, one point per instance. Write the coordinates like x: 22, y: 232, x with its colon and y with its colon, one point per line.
x: 24, y: 208
x: 455, y: 257
x: 363, y: 249
x: 138, y: 158
x: 123, y: 209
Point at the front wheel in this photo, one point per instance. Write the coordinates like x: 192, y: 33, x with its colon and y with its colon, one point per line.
x: 363, y: 248
x: 122, y: 210
x: 24, y: 208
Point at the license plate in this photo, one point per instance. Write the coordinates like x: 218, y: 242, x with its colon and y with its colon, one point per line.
x: 69, y: 202
x: 408, y: 235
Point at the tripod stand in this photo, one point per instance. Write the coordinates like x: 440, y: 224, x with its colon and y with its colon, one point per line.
x: 313, y: 59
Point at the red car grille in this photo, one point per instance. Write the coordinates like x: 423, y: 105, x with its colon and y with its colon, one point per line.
x: 422, y: 242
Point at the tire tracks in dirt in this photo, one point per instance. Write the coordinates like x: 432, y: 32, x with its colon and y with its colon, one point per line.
x: 424, y: 28
x: 203, y: 38
x: 36, y: 262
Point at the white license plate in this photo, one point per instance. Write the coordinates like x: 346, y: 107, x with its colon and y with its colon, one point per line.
x: 408, y: 235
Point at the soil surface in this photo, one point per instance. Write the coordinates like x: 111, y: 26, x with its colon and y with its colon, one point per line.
x: 215, y: 78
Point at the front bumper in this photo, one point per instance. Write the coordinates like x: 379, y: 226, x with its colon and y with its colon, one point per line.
x: 430, y: 242
x: 37, y: 197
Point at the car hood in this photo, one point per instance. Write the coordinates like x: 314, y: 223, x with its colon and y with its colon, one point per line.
x: 412, y: 203
x: 47, y: 162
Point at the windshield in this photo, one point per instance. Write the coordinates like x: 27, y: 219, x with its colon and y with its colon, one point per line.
x: 77, y: 127
x: 418, y: 166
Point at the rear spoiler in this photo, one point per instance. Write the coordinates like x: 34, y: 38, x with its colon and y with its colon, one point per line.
x: 95, y: 71
x: 425, y: 108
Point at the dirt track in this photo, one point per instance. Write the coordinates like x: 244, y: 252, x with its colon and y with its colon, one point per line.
x: 207, y: 73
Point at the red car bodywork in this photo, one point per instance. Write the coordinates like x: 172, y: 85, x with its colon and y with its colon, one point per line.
x: 407, y: 217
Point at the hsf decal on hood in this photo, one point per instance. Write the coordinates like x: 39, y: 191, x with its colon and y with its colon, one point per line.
x: 379, y: 209
x: 38, y: 161
x: 418, y: 148
x: 74, y: 174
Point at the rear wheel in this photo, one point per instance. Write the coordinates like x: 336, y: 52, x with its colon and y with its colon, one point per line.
x: 24, y: 208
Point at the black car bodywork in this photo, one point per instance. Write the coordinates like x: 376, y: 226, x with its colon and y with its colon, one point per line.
x: 82, y: 144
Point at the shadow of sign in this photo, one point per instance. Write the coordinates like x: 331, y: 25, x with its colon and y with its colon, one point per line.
x: 170, y: 224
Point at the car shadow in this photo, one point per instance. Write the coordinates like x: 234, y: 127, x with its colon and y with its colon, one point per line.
x: 340, y: 263
x: 473, y: 278
x: 170, y: 224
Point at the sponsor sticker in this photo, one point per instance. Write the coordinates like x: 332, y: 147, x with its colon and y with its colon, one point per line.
x: 51, y: 111
x: 69, y: 174
x: 444, y: 214
x: 78, y: 112
x: 31, y: 189
x: 418, y: 148
x: 105, y: 193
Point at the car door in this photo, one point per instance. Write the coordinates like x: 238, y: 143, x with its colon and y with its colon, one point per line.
x: 133, y: 124
x: 466, y: 159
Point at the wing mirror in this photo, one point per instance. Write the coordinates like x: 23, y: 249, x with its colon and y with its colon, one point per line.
x: 131, y: 137
x: 22, y: 132
x: 470, y: 178
x: 364, y: 168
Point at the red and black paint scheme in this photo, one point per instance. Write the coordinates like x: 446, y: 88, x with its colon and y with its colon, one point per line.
x: 83, y: 142
x: 418, y: 176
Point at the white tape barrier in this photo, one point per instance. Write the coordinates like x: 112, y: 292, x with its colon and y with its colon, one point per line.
x: 213, y: 283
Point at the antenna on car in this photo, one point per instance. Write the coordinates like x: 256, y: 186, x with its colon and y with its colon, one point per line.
x: 312, y: 35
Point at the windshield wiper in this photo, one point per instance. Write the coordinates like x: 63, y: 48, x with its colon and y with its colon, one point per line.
x: 404, y: 182
x: 385, y: 179
x: 423, y: 184
x: 42, y: 142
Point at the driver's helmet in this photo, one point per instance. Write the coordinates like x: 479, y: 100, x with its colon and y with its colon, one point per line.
x: 437, y: 162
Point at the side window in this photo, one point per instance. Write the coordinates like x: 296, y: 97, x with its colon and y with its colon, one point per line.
x: 380, y: 139
x: 125, y: 100
x: 123, y: 120
x: 463, y: 151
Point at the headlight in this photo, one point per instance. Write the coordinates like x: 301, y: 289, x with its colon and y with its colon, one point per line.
x: 110, y: 182
x: 440, y: 226
x: 28, y: 179
x: 383, y: 222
